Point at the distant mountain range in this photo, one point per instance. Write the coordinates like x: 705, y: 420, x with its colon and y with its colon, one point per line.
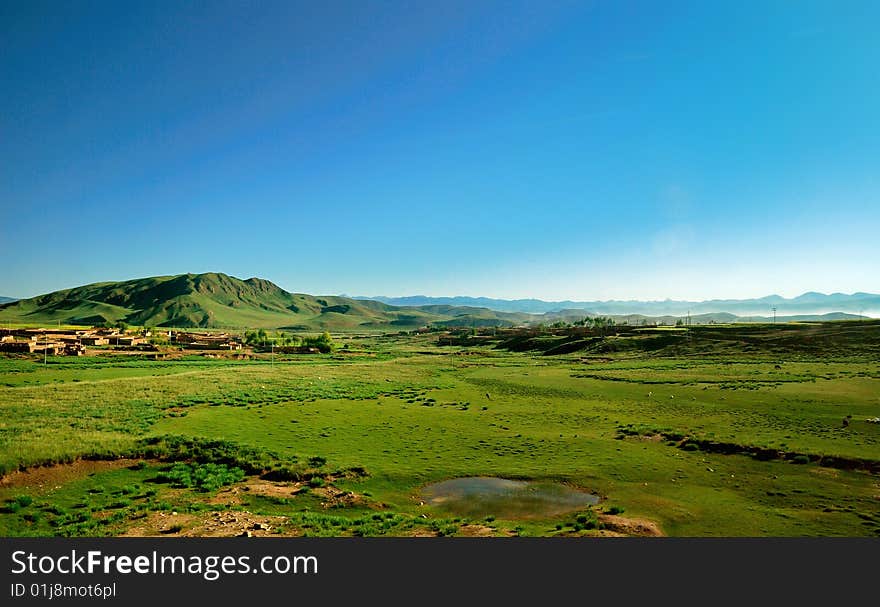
x: 6, y: 299
x: 215, y: 300
x: 807, y: 304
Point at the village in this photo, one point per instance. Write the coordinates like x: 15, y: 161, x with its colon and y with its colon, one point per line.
x: 81, y: 342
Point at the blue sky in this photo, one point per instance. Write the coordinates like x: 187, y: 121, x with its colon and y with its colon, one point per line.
x: 559, y: 150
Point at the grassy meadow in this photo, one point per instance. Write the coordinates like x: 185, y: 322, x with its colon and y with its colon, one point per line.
x: 690, y: 440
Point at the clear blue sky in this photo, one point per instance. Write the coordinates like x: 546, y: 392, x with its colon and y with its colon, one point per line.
x: 583, y: 150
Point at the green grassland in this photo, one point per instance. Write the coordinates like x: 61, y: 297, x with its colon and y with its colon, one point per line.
x: 700, y: 438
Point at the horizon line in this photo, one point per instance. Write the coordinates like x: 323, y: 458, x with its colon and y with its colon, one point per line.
x: 461, y: 296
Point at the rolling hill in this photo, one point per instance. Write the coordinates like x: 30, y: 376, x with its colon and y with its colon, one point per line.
x: 215, y: 300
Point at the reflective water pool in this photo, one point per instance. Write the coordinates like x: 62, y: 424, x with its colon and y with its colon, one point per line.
x: 481, y: 496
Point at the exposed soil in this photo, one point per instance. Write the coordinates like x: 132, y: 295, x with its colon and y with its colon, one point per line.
x: 208, y: 524
x: 477, y: 530
x: 616, y: 526
x: 49, y: 477
x: 330, y: 496
x: 651, y: 438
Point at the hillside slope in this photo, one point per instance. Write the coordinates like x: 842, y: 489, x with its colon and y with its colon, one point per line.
x: 216, y: 300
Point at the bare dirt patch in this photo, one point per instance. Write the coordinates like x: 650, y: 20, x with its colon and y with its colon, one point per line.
x: 232, y: 495
x: 51, y: 477
x: 651, y: 438
x: 333, y: 497
x: 616, y: 525
x: 209, y: 524
x: 825, y: 472
x: 330, y: 496
x: 476, y: 530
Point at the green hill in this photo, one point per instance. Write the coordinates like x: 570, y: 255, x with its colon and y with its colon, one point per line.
x: 215, y: 300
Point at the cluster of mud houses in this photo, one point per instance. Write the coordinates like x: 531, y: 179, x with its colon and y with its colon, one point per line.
x: 204, y: 341
x: 62, y: 342
x: 73, y: 342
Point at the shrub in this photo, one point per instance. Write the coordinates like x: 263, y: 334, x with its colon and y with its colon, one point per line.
x: 202, y: 477
x: 178, y: 448
x: 615, y: 510
x: 316, y: 481
x: 24, y: 500
x: 800, y: 459
x: 447, y: 530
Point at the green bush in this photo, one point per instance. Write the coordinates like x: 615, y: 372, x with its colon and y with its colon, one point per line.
x: 178, y: 448
x: 202, y: 477
x: 800, y: 459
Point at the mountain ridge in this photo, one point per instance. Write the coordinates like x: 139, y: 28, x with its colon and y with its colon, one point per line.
x: 217, y: 300
x: 810, y: 302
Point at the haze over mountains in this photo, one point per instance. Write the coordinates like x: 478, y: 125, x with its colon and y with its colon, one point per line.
x: 216, y: 300
x: 810, y: 303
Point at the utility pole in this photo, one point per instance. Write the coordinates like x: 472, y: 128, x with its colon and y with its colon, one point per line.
x: 774, y: 314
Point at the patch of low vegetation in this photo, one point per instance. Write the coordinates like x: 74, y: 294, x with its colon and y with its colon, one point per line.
x: 203, y: 477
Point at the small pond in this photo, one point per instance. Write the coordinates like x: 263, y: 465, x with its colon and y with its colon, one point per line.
x: 481, y: 496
